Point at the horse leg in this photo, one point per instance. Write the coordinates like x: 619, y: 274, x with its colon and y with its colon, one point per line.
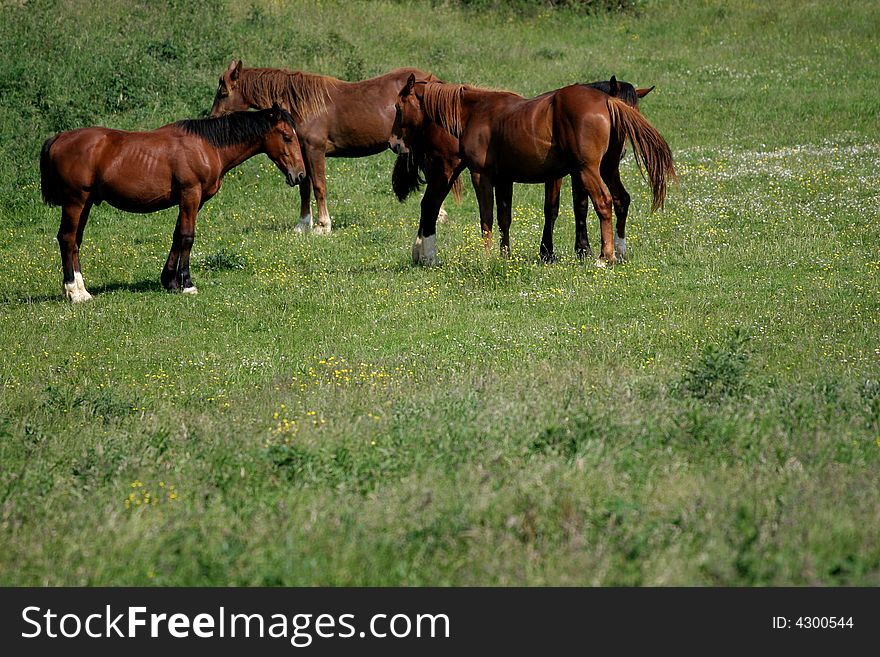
x: 424, y: 251
x: 189, y: 208
x: 504, y: 201
x: 73, y: 219
x: 484, y: 190
x: 305, y: 205
x: 169, y: 271
x: 319, y: 184
x: 551, y: 212
x: 589, y: 184
x: 581, y: 200
x: 620, y: 197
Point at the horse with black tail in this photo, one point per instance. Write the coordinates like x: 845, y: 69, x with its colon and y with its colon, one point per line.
x: 179, y: 164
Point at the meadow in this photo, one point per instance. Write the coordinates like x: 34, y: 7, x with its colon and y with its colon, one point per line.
x: 325, y: 413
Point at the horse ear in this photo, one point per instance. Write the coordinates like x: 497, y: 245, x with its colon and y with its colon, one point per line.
x: 641, y: 93
x: 235, y: 71
x: 275, y: 112
x: 410, y: 84
x: 614, y: 88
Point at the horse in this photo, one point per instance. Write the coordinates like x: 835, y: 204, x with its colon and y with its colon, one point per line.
x: 333, y: 118
x: 504, y: 138
x: 182, y: 164
x: 610, y: 171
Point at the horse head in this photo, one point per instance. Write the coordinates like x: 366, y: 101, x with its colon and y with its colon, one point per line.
x: 281, y: 144
x: 228, y: 98
x: 408, y: 118
x: 622, y: 90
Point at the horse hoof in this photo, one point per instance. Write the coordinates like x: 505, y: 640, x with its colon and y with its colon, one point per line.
x: 192, y: 289
x: 74, y: 294
x: 321, y: 230
x: 549, y: 258
x: 442, y: 216
x: 302, y: 229
x: 620, y: 248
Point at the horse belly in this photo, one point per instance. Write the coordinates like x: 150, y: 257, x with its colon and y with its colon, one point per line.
x: 360, y: 133
x: 528, y: 165
x: 137, y: 180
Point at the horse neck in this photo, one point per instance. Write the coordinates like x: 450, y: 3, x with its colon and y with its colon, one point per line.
x: 234, y: 154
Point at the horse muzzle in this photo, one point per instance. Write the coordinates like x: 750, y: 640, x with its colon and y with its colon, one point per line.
x: 398, y: 146
x: 294, y: 179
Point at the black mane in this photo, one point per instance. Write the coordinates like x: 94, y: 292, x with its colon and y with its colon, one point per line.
x: 625, y: 91
x: 232, y: 128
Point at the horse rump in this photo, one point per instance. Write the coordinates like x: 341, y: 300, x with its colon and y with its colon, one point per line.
x: 49, y: 184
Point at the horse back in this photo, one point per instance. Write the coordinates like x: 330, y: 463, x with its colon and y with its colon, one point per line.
x: 135, y: 171
x: 358, y: 121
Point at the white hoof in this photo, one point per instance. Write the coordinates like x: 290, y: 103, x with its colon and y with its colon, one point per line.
x: 620, y: 247
x: 442, y: 216
x: 425, y: 251
x: 71, y: 293
x: 321, y: 229
x: 192, y: 289
x: 304, y: 225
x: 76, y: 291
x: 601, y: 264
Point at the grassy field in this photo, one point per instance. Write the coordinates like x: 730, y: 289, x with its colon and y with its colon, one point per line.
x: 325, y: 413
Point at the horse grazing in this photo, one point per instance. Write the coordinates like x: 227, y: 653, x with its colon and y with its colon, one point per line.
x: 333, y: 118
x: 504, y: 138
x: 610, y: 170
x: 181, y: 164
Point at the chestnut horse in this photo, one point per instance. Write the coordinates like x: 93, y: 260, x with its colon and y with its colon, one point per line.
x: 504, y: 138
x: 180, y: 164
x: 610, y: 170
x: 333, y: 118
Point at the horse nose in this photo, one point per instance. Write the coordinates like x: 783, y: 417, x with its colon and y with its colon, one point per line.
x: 301, y: 177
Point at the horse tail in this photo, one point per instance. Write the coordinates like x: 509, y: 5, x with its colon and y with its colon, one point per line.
x: 651, y: 151
x: 49, y: 183
x: 456, y: 189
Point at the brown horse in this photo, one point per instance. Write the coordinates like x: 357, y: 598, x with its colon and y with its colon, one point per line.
x: 333, y: 118
x: 181, y: 164
x: 504, y: 138
x: 610, y: 170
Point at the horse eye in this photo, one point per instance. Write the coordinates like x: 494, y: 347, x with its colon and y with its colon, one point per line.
x: 288, y: 138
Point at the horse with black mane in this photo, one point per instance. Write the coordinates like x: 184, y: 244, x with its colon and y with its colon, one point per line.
x: 579, y: 130
x: 182, y: 164
x: 333, y: 118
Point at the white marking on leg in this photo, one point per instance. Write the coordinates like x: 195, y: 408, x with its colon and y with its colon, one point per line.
x: 429, y: 251
x: 442, y: 216
x: 70, y: 291
x: 75, y: 291
x: 192, y: 289
x: 304, y: 225
x: 81, y: 285
x: 620, y: 247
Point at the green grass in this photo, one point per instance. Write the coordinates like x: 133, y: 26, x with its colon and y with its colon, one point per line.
x: 324, y: 413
